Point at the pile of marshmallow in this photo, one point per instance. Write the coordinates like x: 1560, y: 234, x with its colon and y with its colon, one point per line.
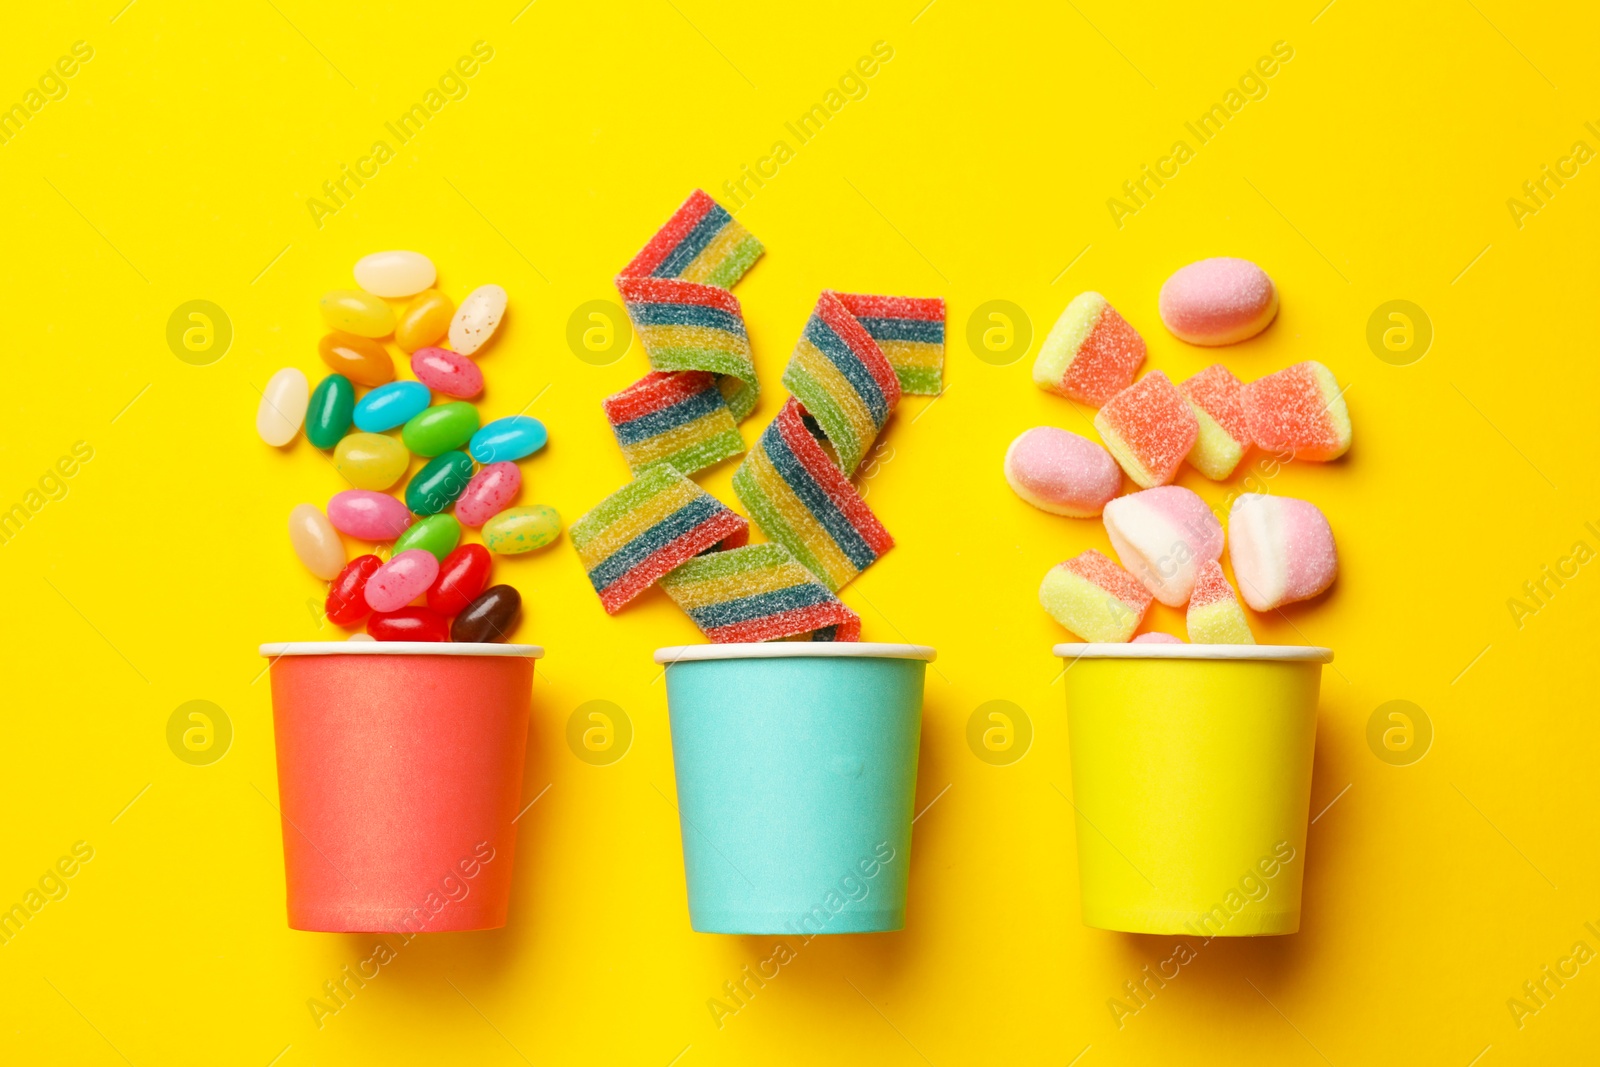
x: 1167, y: 538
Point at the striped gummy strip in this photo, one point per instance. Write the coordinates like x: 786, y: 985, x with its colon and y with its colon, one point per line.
x: 910, y: 332
x: 758, y: 593
x: 678, y: 419
x: 700, y: 243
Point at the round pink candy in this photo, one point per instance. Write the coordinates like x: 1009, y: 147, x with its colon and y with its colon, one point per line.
x: 368, y: 515
x: 1282, y: 549
x: 401, y: 580
x: 1156, y: 637
x: 489, y: 493
x: 447, y: 372
x: 1062, y: 473
x: 1218, y: 301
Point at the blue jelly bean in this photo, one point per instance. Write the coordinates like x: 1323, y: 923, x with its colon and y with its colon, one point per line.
x: 391, y: 405
x: 512, y: 437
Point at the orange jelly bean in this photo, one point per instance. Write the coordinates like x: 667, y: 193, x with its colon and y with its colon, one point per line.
x: 361, y: 359
x: 424, y: 321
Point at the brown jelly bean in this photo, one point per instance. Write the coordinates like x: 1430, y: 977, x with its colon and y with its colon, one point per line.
x: 488, y: 618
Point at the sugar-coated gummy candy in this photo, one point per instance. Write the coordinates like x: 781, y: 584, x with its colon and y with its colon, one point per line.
x: 1217, y: 399
x: 1282, y: 550
x: 391, y: 405
x: 1094, y: 598
x: 440, y: 428
x: 402, y: 579
x: 1300, y: 409
x: 1149, y: 428
x: 316, y: 542
x: 909, y: 331
x: 447, y: 372
x: 489, y: 493
x: 674, y: 417
x: 424, y: 320
x: 758, y: 593
x: 491, y: 617
x: 347, y: 596
x: 409, y: 624
x: 477, y: 318
x: 511, y: 437
x: 438, y: 534
x: 1156, y: 637
x: 329, y: 411
x: 283, y: 406
x: 370, y: 460
x: 440, y: 481
x: 395, y: 274
x: 462, y: 576
x: 361, y: 359
x: 1062, y: 473
x: 368, y: 516
x: 1091, y: 353
x: 1163, y: 536
x: 357, y: 312
x: 517, y: 530
x: 1218, y: 301
x: 1215, y: 617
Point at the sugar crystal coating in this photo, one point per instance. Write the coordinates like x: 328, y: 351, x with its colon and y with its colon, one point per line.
x: 1300, y: 409
x: 1218, y: 301
x: 758, y: 593
x: 1149, y: 428
x: 1163, y: 536
x: 1090, y: 353
x: 1282, y: 550
x: 1062, y: 473
x: 1094, y: 598
x: 1215, y: 617
x: 1217, y: 399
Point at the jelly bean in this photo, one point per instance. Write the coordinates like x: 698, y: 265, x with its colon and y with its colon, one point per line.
x: 522, y: 529
x: 283, y: 406
x: 361, y: 359
x: 391, y: 405
x: 328, y: 414
x: 405, y: 577
x: 347, y: 601
x: 367, y: 515
x: 449, y: 372
x: 440, y: 428
x: 489, y: 493
x: 477, y: 318
x: 438, y: 534
x: 409, y: 624
x: 436, y: 486
x: 371, y: 460
x: 462, y: 576
x: 488, y: 618
x: 316, y: 542
x: 352, y: 311
x: 424, y: 320
x: 395, y: 274
x: 512, y: 437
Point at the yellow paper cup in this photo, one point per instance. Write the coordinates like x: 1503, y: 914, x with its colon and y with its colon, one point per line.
x: 1191, y: 776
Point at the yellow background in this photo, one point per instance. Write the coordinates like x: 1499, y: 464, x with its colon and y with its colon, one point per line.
x: 977, y: 166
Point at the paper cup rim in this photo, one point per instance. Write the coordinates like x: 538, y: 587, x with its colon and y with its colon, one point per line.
x: 279, y: 649
x: 1270, y: 653
x: 794, y: 650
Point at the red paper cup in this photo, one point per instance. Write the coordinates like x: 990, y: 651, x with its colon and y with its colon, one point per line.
x: 399, y: 775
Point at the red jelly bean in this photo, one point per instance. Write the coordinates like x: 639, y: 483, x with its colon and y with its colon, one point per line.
x: 347, y: 602
x: 462, y: 576
x: 408, y: 624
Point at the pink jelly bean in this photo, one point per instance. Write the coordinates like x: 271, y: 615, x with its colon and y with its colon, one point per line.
x: 449, y: 372
x: 489, y: 493
x: 400, y: 581
x: 368, y: 515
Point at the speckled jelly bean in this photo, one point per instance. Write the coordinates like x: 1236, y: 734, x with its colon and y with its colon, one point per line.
x: 462, y: 576
x: 522, y: 529
x: 405, y: 577
x: 347, y: 601
x: 424, y: 320
x: 395, y: 274
x: 391, y: 405
x: 512, y: 437
x: 328, y: 414
x: 440, y: 428
x: 448, y: 372
x: 367, y: 515
x: 477, y: 318
x: 316, y: 542
x: 438, y: 534
x: 353, y: 311
x: 283, y: 406
x: 370, y: 460
x: 489, y: 493
x: 361, y: 359
x: 491, y: 617
x: 409, y: 624
x: 440, y: 481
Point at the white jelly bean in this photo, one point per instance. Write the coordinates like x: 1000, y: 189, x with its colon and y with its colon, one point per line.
x: 477, y: 318
x: 395, y: 274
x: 283, y: 406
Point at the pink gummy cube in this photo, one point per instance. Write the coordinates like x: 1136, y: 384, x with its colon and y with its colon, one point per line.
x: 1149, y: 428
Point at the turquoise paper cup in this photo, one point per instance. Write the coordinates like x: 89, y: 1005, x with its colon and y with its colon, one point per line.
x: 797, y: 767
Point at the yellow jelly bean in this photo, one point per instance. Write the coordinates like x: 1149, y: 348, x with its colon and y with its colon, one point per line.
x: 424, y: 320
x: 316, y: 542
x: 354, y: 311
x: 371, y: 460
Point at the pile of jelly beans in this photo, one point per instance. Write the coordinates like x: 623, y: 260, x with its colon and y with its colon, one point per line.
x: 431, y: 587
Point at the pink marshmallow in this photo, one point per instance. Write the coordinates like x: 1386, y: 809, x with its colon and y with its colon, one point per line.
x: 1282, y: 550
x: 1163, y: 535
x: 1062, y: 473
x: 1156, y: 637
x: 1218, y: 301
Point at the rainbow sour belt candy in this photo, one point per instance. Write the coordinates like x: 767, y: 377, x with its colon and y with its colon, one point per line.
x: 758, y: 593
x: 676, y: 418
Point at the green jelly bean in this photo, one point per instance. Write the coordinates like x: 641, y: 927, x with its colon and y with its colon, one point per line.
x: 436, y: 486
x: 522, y: 529
x: 441, y: 428
x: 436, y: 533
x: 328, y: 415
